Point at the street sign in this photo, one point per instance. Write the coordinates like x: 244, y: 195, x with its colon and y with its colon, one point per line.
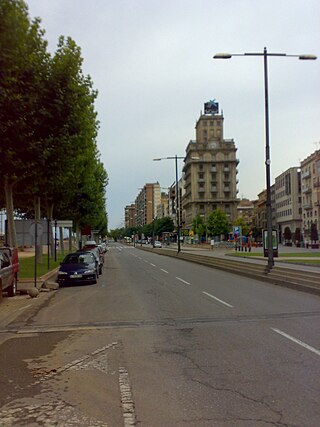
x: 64, y: 223
x: 237, y: 230
x: 32, y: 229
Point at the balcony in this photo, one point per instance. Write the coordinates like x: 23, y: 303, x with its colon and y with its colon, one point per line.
x: 307, y: 206
x: 305, y: 175
x: 306, y: 189
x: 226, y: 189
x: 214, y: 189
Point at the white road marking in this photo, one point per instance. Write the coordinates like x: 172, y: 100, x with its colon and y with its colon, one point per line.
x: 165, y: 271
x: 217, y: 299
x: 129, y: 416
x: 23, y: 308
x: 183, y: 281
x: 308, y: 347
x: 153, y: 265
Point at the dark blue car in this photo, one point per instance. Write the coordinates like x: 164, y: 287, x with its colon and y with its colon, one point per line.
x: 78, y: 268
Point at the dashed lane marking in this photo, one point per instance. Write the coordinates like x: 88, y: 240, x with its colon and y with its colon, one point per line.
x: 183, y: 281
x: 217, y: 299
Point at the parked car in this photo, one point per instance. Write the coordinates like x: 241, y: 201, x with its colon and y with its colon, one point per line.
x: 9, y: 268
x: 77, y: 268
x: 157, y: 244
x: 93, y: 247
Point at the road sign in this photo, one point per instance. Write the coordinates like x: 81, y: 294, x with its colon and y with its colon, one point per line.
x: 64, y: 223
x: 237, y: 230
x: 32, y: 229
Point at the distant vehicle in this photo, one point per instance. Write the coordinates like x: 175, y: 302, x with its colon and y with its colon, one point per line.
x: 91, y: 243
x: 157, y: 244
x: 9, y: 268
x: 78, y: 268
x: 98, y: 252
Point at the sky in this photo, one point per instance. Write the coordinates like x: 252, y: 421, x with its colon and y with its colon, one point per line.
x: 152, y: 64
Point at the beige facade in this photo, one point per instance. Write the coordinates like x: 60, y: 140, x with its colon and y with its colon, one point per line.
x: 210, y: 172
x: 146, y: 203
x: 163, y: 207
x: 288, y: 201
x: 310, y: 189
x: 130, y: 216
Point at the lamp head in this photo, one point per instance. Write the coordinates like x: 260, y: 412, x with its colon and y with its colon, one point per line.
x: 222, y: 55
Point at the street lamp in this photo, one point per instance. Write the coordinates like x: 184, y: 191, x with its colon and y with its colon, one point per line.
x: 265, y: 55
x: 177, y: 191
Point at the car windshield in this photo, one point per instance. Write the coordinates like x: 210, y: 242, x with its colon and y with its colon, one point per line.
x: 78, y: 259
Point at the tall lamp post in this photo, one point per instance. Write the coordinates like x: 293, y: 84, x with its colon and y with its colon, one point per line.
x: 265, y: 55
x: 177, y: 192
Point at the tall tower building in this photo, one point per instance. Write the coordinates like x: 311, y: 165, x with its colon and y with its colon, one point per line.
x: 210, y: 170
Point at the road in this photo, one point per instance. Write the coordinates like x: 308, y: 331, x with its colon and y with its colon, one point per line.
x: 162, y: 342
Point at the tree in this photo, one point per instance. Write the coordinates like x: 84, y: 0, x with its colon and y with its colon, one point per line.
x: 23, y: 65
x: 48, y: 126
x: 287, y: 234
x: 298, y: 235
x: 163, y: 225
x: 198, y: 226
x: 244, y: 227
x: 217, y: 223
x: 314, y: 232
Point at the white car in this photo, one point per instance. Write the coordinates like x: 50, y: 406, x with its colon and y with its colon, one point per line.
x: 157, y: 244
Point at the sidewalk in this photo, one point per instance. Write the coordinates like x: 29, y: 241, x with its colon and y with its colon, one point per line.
x: 259, y: 259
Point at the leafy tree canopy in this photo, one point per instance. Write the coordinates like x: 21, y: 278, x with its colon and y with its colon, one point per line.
x: 217, y: 223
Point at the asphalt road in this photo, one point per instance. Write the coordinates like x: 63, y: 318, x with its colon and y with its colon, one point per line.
x: 162, y: 342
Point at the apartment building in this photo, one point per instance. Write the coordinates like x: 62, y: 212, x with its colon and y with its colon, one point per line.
x: 288, y: 201
x: 210, y: 170
x: 130, y: 216
x: 146, y: 203
x: 310, y: 189
x: 163, y: 207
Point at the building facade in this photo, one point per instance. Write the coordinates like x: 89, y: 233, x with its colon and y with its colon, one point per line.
x: 310, y: 189
x: 210, y: 171
x: 288, y: 201
x: 130, y: 216
x: 146, y: 203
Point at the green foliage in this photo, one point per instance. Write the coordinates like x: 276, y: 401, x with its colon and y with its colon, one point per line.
x: 241, y: 222
x: 287, y: 233
x: 217, y: 223
x: 314, y: 232
x: 48, y: 124
x: 198, y: 226
x: 298, y: 235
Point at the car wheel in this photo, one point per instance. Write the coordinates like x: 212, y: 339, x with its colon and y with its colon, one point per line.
x: 13, y: 288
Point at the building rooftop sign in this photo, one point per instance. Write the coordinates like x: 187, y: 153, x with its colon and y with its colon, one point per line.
x: 211, y: 107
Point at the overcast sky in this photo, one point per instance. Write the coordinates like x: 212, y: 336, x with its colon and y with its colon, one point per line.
x: 151, y: 62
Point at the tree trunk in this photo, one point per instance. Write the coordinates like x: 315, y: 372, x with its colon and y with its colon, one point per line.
x: 11, y: 230
x: 61, y: 241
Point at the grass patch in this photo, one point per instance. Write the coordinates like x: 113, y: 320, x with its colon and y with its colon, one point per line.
x: 304, y: 261
x: 281, y: 255
x: 26, y: 266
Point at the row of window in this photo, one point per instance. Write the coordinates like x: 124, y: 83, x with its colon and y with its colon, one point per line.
x: 211, y: 123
